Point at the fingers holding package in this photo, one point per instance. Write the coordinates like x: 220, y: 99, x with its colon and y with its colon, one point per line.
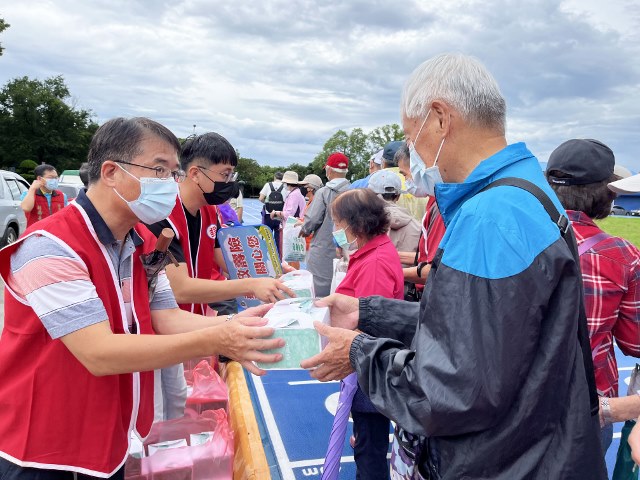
x: 245, y: 340
x: 333, y: 362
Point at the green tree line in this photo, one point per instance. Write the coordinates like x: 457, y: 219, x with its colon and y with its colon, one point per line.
x: 39, y: 124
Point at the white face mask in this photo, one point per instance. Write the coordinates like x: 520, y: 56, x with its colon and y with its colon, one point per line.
x: 156, y: 200
x: 424, y: 179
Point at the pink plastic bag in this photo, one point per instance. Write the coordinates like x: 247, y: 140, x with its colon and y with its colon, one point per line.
x: 212, y: 460
x: 209, y: 392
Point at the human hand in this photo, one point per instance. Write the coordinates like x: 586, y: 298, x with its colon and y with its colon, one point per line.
x: 343, y: 309
x: 36, y: 185
x: 634, y: 442
x: 244, y: 338
x: 299, y: 223
x: 286, y: 268
x: 273, y: 214
x: 270, y: 290
x: 333, y: 362
x: 259, y: 311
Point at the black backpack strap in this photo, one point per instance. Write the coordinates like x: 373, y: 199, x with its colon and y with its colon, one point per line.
x: 271, y: 187
x: 280, y: 188
x: 567, y: 234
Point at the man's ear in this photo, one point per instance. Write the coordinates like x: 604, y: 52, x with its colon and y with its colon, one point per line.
x: 108, y: 172
x: 442, y: 111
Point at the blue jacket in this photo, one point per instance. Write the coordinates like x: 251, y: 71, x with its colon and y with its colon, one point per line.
x: 493, y: 372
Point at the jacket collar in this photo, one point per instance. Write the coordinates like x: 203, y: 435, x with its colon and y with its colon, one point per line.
x: 54, y: 193
x: 372, y: 244
x: 451, y: 196
x: 581, y: 217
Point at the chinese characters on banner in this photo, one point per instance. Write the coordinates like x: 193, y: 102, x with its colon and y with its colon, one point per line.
x: 246, y: 254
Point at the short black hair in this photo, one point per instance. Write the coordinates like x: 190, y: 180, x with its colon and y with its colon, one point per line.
x: 40, y: 170
x: 593, y: 199
x: 83, y: 173
x: 278, y: 175
x: 212, y: 148
x: 363, y: 210
x: 120, y: 139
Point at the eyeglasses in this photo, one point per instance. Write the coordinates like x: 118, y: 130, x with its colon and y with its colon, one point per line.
x: 228, y: 176
x: 161, y: 172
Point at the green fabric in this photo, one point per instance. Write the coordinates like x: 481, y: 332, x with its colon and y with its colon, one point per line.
x: 625, y: 468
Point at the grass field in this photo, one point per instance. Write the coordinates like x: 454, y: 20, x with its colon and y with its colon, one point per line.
x: 627, y: 228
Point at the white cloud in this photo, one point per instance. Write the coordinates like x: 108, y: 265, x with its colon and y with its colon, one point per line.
x: 279, y: 77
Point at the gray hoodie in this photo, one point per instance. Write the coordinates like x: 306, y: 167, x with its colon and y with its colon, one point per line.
x: 404, y: 230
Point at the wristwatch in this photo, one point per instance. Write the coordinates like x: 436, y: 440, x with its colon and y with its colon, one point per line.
x: 421, y: 265
x: 606, y: 410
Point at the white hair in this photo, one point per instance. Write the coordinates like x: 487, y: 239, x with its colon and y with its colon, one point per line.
x: 460, y: 81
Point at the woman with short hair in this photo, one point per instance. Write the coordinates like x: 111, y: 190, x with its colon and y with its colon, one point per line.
x: 361, y: 223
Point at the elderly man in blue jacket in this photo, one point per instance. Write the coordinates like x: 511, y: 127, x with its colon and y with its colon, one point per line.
x: 490, y: 376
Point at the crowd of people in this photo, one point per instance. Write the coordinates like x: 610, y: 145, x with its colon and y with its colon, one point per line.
x: 478, y: 311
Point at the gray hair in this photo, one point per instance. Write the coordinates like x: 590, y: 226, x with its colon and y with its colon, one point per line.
x: 460, y: 81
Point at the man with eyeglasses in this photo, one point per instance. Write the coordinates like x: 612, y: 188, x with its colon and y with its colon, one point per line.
x: 83, y: 331
x: 43, y: 197
x: 208, y: 162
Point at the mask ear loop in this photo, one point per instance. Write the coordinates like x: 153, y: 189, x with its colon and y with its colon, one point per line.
x: 435, y: 162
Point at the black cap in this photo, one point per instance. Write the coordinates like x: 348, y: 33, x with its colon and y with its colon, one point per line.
x: 390, y: 149
x: 587, y: 161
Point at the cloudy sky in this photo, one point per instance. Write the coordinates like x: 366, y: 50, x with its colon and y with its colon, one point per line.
x: 279, y: 77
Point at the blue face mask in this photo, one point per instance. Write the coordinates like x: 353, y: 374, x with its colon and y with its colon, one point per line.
x: 157, y: 198
x: 340, y: 239
x: 51, y: 183
x: 425, y: 179
x: 410, y: 187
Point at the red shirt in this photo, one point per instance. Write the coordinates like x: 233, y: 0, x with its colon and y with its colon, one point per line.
x: 375, y: 269
x: 611, y: 279
x: 432, y: 231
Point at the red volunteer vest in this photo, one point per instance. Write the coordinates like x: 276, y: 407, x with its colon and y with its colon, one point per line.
x: 53, y: 412
x: 40, y: 208
x: 206, y: 266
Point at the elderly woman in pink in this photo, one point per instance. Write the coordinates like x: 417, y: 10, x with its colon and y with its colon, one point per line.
x: 294, y: 203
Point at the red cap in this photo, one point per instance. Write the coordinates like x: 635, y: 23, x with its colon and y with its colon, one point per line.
x: 338, y: 161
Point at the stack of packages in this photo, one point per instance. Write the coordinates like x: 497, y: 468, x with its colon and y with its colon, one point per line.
x: 293, y: 320
x: 198, y: 446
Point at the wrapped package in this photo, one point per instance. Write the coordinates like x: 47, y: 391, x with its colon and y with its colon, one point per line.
x: 293, y: 320
x: 173, y: 454
x: 301, y: 282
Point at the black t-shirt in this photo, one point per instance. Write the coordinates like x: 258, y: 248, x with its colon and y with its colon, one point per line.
x: 193, y: 224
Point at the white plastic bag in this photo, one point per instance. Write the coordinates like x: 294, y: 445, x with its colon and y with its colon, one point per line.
x: 339, y: 272
x: 293, y: 246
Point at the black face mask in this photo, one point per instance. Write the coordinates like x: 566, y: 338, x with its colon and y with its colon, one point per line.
x: 222, y: 191
x: 303, y: 191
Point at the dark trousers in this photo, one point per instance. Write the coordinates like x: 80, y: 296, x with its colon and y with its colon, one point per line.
x: 11, y: 471
x: 371, y: 430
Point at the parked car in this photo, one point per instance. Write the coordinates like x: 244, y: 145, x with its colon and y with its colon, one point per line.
x: 633, y: 213
x: 618, y: 210
x: 71, y: 176
x: 71, y: 190
x: 12, y: 219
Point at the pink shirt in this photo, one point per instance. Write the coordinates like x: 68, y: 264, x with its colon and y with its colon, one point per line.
x: 294, y: 203
x: 374, y: 269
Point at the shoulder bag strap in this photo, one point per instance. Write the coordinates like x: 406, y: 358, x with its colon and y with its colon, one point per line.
x: 567, y: 234
x: 591, y: 242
